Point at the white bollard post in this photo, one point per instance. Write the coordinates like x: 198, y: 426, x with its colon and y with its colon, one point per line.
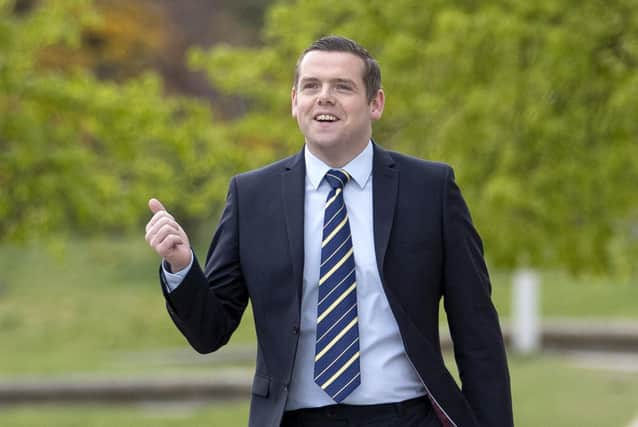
x: 525, y: 311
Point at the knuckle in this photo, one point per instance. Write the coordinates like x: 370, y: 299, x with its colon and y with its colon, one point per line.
x: 167, y: 229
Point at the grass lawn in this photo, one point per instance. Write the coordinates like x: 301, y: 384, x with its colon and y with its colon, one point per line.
x: 563, y: 296
x: 554, y: 393
x: 547, y: 392
x: 79, y: 309
x: 82, y: 310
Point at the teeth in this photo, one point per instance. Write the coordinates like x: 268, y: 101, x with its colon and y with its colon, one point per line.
x: 326, y: 117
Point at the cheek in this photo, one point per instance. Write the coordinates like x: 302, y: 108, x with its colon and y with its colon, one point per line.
x: 300, y: 108
x: 296, y: 108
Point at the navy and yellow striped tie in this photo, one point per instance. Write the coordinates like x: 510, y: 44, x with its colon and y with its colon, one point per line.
x: 337, y: 349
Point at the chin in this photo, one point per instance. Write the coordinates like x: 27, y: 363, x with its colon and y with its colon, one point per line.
x: 325, y: 144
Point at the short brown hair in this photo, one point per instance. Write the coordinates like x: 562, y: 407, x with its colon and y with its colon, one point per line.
x: 371, y: 72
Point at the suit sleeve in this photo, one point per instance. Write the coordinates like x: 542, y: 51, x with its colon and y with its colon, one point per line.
x: 207, y: 306
x: 478, y: 343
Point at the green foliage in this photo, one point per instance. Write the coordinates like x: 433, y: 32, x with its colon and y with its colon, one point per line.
x: 82, y: 154
x: 533, y: 103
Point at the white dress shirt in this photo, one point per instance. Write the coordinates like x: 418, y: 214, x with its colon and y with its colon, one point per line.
x: 387, y: 374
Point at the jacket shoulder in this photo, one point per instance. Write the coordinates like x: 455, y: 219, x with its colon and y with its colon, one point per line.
x: 414, y: 165
x: 269, y: 171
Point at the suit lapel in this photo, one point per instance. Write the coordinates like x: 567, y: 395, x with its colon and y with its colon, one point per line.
x: 385, y: 182
x: 293, y: 181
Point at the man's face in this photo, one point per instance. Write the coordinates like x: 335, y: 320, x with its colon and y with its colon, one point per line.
x: 331, y: 105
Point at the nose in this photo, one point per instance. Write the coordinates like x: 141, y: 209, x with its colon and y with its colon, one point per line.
x: 325, y: 96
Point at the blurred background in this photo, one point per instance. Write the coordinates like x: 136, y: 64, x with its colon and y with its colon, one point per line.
x: 106, y: 103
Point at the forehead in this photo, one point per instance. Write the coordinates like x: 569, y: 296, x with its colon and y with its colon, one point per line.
x: 331, y: 65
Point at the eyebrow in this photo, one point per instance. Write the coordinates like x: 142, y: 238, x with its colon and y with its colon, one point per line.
x: 308, y: 79
x: 336, y: 80
x: 348, y: 81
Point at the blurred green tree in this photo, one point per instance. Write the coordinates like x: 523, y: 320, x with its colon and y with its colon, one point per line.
x: 533, y: 103
x: 82, y: 155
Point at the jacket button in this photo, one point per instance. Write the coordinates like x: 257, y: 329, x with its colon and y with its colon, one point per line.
x: 295, y: 330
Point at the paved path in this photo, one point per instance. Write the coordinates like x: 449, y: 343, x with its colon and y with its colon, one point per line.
x: 232, y: 384
x: 605, y: 361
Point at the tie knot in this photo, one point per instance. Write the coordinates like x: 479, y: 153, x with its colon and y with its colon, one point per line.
x: 337, y: 178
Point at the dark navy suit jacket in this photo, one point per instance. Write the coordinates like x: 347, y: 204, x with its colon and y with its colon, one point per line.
x: 426, y: 248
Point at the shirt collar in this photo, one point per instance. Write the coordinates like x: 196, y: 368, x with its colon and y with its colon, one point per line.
x: 359, y: 168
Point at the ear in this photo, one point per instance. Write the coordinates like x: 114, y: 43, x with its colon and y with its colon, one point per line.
x: 376, y: 105
x: 293, y: 101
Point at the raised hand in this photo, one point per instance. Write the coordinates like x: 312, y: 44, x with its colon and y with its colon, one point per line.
x: 167, y: 237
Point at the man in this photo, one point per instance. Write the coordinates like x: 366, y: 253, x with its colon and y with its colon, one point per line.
x: 345, y: 250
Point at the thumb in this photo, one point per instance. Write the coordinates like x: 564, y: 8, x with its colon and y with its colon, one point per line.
x: 156, y: 206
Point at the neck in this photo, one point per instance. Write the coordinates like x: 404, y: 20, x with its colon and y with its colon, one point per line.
x: 338, y: 158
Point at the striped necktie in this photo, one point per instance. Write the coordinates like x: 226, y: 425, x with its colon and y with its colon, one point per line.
x: 337, y: 347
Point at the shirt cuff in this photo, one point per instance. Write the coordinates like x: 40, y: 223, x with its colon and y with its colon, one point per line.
x: 173, y: 280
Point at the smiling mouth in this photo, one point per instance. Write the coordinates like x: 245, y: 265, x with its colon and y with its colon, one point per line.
x: 326, y: 118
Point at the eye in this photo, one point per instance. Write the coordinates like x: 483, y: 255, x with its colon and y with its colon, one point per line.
x: 344, y: 87
x: 309, y: 85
